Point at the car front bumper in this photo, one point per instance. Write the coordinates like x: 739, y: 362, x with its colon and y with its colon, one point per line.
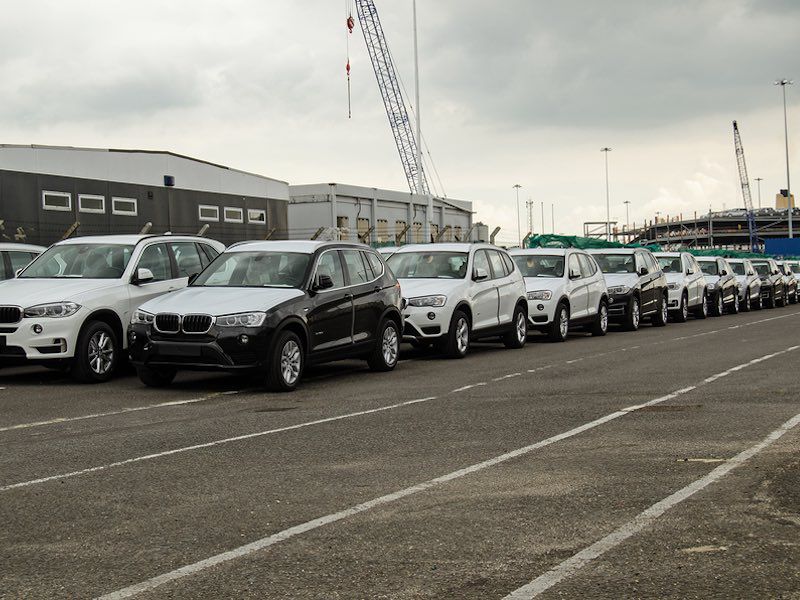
x: 674, y: 298
x: 20, y: 344
x: 541, y: 312
x: 426, y: 322
x: 619, y: 305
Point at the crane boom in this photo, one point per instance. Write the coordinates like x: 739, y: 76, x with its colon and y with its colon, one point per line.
x: 389, y: 86
x: 745, y: 181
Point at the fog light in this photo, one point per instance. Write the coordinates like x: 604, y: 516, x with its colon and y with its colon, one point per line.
x: 431, y: 316
x: 243, y: 339
x: 132, y: 337
x: 37, y: 329
x: 540, y: 307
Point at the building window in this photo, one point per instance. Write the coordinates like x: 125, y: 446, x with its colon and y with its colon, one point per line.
x: 126, y: 207
x: 342, y: 222
x: 363, y: 228
x: 434, y: 231
x: 399, y: 226
x: 234, y: 215
x: 257, y: 216
x: 208, y: 213
x: 457, y: 233
x: 88, y: 203
x: 417, y: 227
x: 57, y: 201
x: 383, y: 230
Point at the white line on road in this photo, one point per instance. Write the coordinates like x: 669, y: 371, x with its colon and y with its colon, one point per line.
x: 643, y: 520
x: 509, y: 376
x: 281, y: 536
x: 468, y: 387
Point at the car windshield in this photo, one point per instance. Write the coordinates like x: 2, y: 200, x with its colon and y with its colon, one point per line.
x: 670, y: 264
x: 616, y: 263
x: 429, y: 265
x: 762, y: 269
x: 738, y: 268
x: 709, y: 267
x: 255, y: 269
x: 796, y: 268
x: 539, y: 265
x: 80, y: 261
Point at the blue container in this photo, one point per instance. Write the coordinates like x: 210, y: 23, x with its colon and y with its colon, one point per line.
x: 782, y: 246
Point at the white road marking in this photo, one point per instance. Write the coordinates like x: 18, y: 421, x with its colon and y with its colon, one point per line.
x: 574, y: 360
x: 509, y: 376
x: 271, y: 540
x: 238, y: 438
x: 643, y: 520
x: 468, y: 387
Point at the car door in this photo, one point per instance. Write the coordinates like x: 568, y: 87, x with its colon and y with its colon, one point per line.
x: 577, y: 287
x: 330, y: 311
x: 646, y: 282
x: 155, y: 258
x: 365, y: 291
x: 483, y: 293
x: 726, y: 280
x: 692, y: 275
x: 187, y: 259
x: 595, y: 286
x: 507, y: 298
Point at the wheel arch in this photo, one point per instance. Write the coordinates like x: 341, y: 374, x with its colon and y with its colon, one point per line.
x: 295, y: 325
x: 110, y: 318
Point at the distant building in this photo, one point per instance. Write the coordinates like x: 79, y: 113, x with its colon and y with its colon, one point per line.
x: 374, y: 215
x: 781, y: 202
x: 46, y: 191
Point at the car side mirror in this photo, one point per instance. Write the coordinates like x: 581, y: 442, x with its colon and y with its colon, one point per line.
x: 724, y: 272
x: 142, y: 276
x: 690, y: 271
x: 193, y: 278
x: 323, y: 282
x: 643, y: 271
x: 479, y: 274
x: 775, y: 273
x: 573, y: 274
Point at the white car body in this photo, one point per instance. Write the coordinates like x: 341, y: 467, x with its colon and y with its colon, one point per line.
x: 489, y: 301
x: 684, y: 279
x: 47, y: 338
x: 14, y: 257
x: 748, y: 281
x: 579, y: 285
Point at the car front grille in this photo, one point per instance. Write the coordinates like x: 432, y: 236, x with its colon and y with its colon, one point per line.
x: 196, y: 323
x: 168, y: 323
x: 10, y: 314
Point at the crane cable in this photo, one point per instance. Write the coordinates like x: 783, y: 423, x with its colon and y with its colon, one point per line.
x: 350, y: 22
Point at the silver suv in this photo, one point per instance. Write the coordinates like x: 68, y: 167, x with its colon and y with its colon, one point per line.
x: 748, y: 282
x: 686, y: 285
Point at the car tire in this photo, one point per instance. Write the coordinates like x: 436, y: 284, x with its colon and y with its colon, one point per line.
x: 387, y: 348
x: 782, y: 302
x: 683, y: 309
x: 96, y: 353
x: 633, y: 316
x: 734, y: 309
x: 793, y: 298
x: 662, y: 314
x: 600, y: 325
x: 516, y: 337
x: 559, y: 328
x: 758, y: 304
x: 457, y: 341
x: 286, y: 363
x: 702, y: 311
x: 156, y: 377
x: 718, y: 307
x: 746, y: 306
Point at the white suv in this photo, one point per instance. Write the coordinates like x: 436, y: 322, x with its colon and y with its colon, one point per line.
x: 748, y: 282
x: 458, y: 292
x: 14, y: 257
x: 564, y: 287
x: 685, y: 284
x: 71, y: 306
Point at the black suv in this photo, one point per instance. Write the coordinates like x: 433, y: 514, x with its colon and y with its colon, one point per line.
x: 773, y: 291
x: 273, y: 307
x: 723, y: 289
x: 637, y: 287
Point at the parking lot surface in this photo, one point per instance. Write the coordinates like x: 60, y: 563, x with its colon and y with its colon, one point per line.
x: 659, y: 463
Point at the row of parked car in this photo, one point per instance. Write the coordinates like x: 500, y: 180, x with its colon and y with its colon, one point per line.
x: 169, y: 303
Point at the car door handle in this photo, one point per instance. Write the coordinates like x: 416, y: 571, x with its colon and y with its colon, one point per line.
x: 348, y: 296
x: 377, y: 288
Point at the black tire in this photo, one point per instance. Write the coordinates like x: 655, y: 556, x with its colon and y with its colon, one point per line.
x: 516, y: 337
x: 633, y: 316
x: 701, y: 312
x: 770, y: 301
x: 559, y: 328
x: 782, y: 301
x: 758, y: 304
x: 387, y: 347
x: 662, y: 315
x: 456, y: 342
x: 96, y: 353
x: 683, y: 310
x: 156, y: 377
x: 746, y: 307
x: 734, y: 308
x: 288, y: 348
x: 600, y: 324
x: 718, y: 307
x: 793, y: 297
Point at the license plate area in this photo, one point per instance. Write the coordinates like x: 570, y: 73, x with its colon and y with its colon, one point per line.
x: 180, y: 349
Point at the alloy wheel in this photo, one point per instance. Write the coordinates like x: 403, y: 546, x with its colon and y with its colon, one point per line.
x: 101, y: 353
x: 635, y: 313
x: 684, y: 308
x: 705, y: 305
x: 522, y: 328
x: 462, y: 335
x: 664, y: 311
x: 390, y: 345
x: 720, y: 303
x: 291, y: 360
x: 603, y: 318
x: 563, y: 323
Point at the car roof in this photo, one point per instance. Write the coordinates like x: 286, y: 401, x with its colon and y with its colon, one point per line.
x: 6, y: 246
x: 669, y: 254
x: 297, y: 246
x: 127, y: 240
x: 613, y: 250
x: 540, y: 251
x: 445, y: 247
x: 708, y: 257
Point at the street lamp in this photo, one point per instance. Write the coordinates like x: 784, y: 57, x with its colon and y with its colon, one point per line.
x: 759, y: 180
x: 783, y: 83
x: 608, y: 202
x: 627, y: 217
x: 519, y: 227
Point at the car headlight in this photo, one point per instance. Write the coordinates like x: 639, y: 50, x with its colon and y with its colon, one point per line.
x: 674, y: 286
x: 619, y: 290
x: 712, y: 286
x: 427, y: 301
x: 142, y: 317
x: 54, y: 311
x: 540, y: 295
x: 248, y: 319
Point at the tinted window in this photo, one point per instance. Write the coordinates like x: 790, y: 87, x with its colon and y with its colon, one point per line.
x: 738, y: 268
x: 376, y: 262
x: 330, y: 265
x: 497, y: 264
x: 209, y: 251
x: 430, y: 265
x: 187, y: 258
x: 481, y: 262
x: 616, y: 263
x: 156, y: 259
x: 709, y: 267
x: 670, y: 264
x: 90, y: 261
x: 19, y: 260
x: 540, y: 265
x: 588, y: 268
x: 652, y: 263
x: 356, y: 268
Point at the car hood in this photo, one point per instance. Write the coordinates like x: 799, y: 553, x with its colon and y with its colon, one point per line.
x: 616, y: 279
x: 28, y: 292
x: 554, y: 284
x: 414, y: 288
x: 711, y: 278
x: 674, y: 277
x: 220, y: 300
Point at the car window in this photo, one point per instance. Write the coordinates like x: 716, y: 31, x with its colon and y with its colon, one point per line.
x: 481, y: 261
x: 507, y: 262
x: 616, y: 263
x: 497, y: 264
x: 652, y: 263
x: 737, y: 268
x: 256, y: 269
x: 356, y: 268
x: 187, y: 257
x: 540, y: 265
x: 588, y: 267
x: 709, y: 267
x: 430, y: 265
x: 641, y: 262
x: 156, y: 259
x: 376, y: 263
x: 19, y: 260
x: 330, y: 265
x: 207, y: 254
x: 670, y: 264
x: 574, y: 265
x: 79, y: 260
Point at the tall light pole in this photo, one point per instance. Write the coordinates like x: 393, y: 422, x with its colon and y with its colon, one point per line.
x: 759, y: 180
x: 429, y: 215
x: 519, y: 227
x: 627, y: 217
x: 608, y: 201
x: 783, y: 83
x: 553, y: 219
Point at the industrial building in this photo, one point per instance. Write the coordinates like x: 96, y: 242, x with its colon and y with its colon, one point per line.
x: 48, y: 192
x: 376, y: 216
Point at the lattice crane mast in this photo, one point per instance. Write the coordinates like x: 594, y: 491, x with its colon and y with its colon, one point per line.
x: 748, y: 200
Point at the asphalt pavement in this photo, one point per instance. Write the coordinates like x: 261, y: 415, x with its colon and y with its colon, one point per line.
x: 656, y: 464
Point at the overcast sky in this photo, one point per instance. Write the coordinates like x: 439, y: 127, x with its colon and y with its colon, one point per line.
x: 512, y: 91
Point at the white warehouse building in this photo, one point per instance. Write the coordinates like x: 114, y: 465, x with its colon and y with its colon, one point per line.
x: 375, y: 216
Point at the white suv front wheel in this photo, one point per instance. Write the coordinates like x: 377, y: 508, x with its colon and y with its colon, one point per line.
x: 96, y: 353
x: 456, y: 342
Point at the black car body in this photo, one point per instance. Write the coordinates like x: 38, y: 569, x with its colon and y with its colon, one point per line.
x: 723, y: 289
x: 789, y: 281
x: 773, y: 290
x: 330, y: 300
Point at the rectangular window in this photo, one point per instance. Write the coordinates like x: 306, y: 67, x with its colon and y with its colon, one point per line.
x: 88, y: 203
x: 127, y: 207
x: 417, y: 228
x: 399, y: 226
x: 234, y: 215
x: 208, y: 213
x: 57, y: 201
x: 257, y: 216
x: 383, y: 230
x: 342, y: 222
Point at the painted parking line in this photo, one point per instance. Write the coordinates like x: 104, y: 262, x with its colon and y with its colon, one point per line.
x: 273, y: 539
x: 643, y: 520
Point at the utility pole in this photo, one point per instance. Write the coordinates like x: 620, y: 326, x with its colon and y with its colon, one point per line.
x: 542, y: 216
x: 627, y: 204
x: 783, y: 83
x: 519, y: 227
x: 553, y: 219
x: 605, y: 151
x: 529, y: 207
x: 759, y: 180
x: 420, y: 176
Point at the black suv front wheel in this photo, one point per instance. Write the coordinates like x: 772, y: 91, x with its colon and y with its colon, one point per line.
x: 285, y: 365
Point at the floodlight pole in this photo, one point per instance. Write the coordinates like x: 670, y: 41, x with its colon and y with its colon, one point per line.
x: 783, y: 83
x: 608, y: 201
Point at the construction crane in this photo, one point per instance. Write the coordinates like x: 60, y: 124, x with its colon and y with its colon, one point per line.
x: 748, y: 200
x: 389, y: 85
